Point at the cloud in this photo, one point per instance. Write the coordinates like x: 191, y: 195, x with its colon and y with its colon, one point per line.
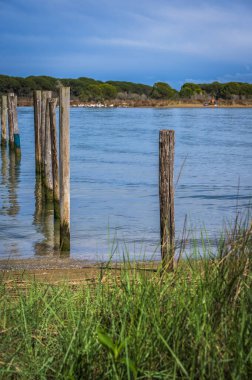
x: 237, y: 77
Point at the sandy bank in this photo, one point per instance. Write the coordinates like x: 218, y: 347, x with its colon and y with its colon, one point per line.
x: 53, y: 271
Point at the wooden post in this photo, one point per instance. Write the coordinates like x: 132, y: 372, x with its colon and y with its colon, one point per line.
x: 45, y: 96
x: 11, y: 106
x: 42, y: 129
x: 64, y: 161
x: 16, y: 130
x: 55, y: 165
x: 48, y: 178
x: 166, y: 196
x: 37, y: 126
x: 4, y: 121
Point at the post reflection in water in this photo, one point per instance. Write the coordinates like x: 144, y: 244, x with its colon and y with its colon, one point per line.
x: 4, y: 166
x: 9, y: 206
x: 14, y: 174
x: 13, y: 243
x: 45, y: 223
x: 4, y: 181
x: 10, y: 173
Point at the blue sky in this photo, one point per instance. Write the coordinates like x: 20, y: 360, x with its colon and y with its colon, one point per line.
x: 135, y: 40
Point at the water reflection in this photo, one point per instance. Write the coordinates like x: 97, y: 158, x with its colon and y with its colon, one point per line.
x: 45, y: 223
x: 9, y: 207
x: 15, y: 241
x: 10, y: 178
x: 14, y: 174
x: 4, y: 180
x: 4, y: 166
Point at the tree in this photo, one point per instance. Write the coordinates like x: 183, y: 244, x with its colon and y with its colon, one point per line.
x: 212, y: 89
x: 108, y: 91
x: 161, y: 90
x: 190, y: 90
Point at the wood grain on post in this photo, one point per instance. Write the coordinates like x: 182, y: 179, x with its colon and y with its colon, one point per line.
x: 42, y: 129
x: 4, y: 121
x: 45, y: 95
x: 37, y: 125
x: 11, y: 106
x: 55, y: 165
x: 64, y: 161
x: 48, y: 178
x: 166, y: 197
x: 16, y: 130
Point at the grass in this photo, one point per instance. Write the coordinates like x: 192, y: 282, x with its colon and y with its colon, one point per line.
x: 194, y: 323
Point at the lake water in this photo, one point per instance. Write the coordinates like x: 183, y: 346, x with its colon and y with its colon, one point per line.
x: 114, y: 180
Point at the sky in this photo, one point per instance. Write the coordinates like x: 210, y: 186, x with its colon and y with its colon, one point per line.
x: 144, y: 41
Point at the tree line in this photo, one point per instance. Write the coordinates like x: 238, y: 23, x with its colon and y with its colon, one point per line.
x: 87, y: 89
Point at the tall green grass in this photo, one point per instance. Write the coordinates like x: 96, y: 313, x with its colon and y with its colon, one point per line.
x: 194, y: 323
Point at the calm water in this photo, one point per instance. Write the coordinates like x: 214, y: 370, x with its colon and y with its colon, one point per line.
x: 114, y: 180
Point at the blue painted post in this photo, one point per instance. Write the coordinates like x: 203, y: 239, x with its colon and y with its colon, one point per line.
x: 17, y: 146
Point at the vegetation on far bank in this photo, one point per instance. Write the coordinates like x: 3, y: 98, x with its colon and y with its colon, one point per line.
x: 194, y: 323
x: 87, y: 89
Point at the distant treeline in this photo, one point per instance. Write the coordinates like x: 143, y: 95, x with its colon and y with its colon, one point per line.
x: 87, y: 89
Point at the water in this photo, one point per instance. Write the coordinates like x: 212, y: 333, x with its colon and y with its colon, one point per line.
x: 114, y: 180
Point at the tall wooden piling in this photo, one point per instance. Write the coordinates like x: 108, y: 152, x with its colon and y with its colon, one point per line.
x: 16, y: 129
x: 45, y: 95
x: 42, y: 129
x: 11, y: 106
x: 64, y: 161
x: 166, y: 197
x: 37, y: 126
x: 55, y: 165
x: 4, y: 121
x: 48, y: 177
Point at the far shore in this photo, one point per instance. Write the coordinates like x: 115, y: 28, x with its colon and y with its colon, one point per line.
x: 27, y: 102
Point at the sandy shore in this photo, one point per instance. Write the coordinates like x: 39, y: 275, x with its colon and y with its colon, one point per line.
x: 43, y: 263
x: 53, y: 270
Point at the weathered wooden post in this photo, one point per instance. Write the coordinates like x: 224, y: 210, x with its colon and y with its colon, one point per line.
x: 4, y: 121
x: 42, y: 129
x: 166, y: 196
x: 16, y: 130
x: 37, y: 126
x: 11, y: 106
x: 55, y: 165
x: 64, y: 161
x: 44, y: 97
x: 48, y: 177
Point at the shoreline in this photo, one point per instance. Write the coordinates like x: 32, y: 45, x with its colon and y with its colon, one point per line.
x: 44, y: 263
x: 26, y: 102
x: 22, y: 272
